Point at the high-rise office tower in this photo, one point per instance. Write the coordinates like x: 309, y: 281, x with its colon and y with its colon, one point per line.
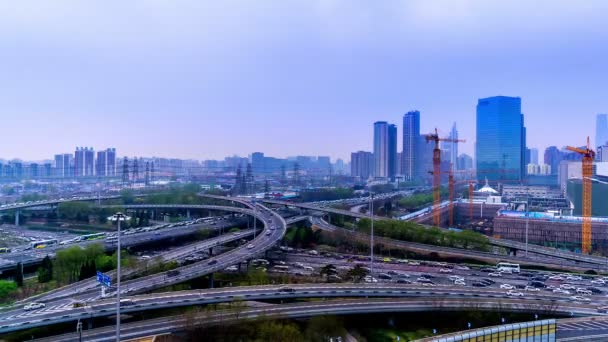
x: 392, y: 152
x: 361, y: 164
x: 451, y: 149
x: 601, y: 130
x: 553, y: 157
x: 411, y: 141
x: 533, y: 156
x: 500, y: 146
x: 381, y: 149
x: 79, y: 162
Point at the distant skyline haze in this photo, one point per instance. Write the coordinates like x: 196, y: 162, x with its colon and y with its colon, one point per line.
x: 206, y: 79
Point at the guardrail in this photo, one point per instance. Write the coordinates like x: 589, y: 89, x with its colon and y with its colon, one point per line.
x: 541, y: 331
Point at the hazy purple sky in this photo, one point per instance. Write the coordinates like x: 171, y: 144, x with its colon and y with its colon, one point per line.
x: 205, y: 79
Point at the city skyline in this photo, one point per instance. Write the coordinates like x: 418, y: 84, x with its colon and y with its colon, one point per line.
x: 203, y: 96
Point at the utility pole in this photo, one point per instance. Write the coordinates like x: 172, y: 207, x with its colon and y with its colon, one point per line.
x: 118, y: 217
x: 371, y: 213
x: 79, y: 330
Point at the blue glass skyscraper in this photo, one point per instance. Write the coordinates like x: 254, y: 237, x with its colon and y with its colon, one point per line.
x: 501, y: 139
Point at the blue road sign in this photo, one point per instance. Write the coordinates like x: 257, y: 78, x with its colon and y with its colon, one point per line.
x: 103, y: 279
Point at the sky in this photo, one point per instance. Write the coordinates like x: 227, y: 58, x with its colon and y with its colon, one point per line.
x: 206, y: 79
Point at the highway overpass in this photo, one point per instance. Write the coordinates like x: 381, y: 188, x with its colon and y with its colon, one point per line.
x: 308, y: 309
x: 425, y: 249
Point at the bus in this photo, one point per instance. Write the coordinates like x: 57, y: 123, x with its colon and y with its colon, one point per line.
x: 43, y: 243
x: 94, y: 236
x: 507, y: 267
x: 5, y: 250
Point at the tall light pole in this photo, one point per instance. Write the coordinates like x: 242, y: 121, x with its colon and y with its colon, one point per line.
x: 118, y: 217
x: 255, y: 211
x: 527, y: 215
x: 371, y: 215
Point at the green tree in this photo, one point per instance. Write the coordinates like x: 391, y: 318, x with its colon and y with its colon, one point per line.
x: 45, y: 271
x: 327, y: 271
x: 19, y: 274
x: 322, y: 328
x: 357, y: 273
x: 75, y: 211
x: 7, y: 287
x: 278, y: 331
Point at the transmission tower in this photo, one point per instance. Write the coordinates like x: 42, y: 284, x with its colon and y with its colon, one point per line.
x: 135, y: 170
x: 147, y: 179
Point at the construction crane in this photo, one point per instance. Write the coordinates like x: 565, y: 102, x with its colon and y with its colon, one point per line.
x: 437, y: 173
x: 588, y: 157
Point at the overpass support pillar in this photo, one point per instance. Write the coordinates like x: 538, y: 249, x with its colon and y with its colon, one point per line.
x: 210, y: 251
x: 17, y: 213
x: 89, y: 324
x: 211, y: 280
x: 514, y: 251
x: 188, y: 214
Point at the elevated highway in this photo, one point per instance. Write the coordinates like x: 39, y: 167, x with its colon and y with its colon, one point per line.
x: 439, y: 298
x: 425, y: 249
x: 308, y: 309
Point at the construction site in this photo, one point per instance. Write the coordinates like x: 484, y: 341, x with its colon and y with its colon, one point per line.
x: 536, y: 214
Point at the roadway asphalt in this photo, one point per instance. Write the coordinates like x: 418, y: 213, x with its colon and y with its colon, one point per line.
x: 177, y: 254
x: 545, y: 302
x: 531, y: 260
x: 297, y: 310
x: 273, y: 223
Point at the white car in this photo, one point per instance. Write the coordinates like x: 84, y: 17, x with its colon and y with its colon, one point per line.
x: 464, y: 268
x: 567, y: 286
x: 507, y: 287
x: 250, y: 246
x: 580, y: 299
x: 562, y: 291
x: 494, y: 274
x: 460, y: 282
x: 556, y: 277
x: 582, y: 291
x: 34, y: 306
x: 455, y: 278
x: 574, y: 278
x: 514, y: 293
x: 445, y: 270
x: 532, y: 289
x: 598, y: 282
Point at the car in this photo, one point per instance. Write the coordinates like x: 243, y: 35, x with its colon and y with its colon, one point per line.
x: 384, y: 276
x: 598, y: 282
x: 531, y: 289
x: 413, y: 263
x: 494, y: 274
x: 460, y: 283
x: 461, y: 267
x: 488, y: 280
x: 583, y: 291
x: 126, y: 302
x: 34, y: 306
x: 507, y: 287
x: 562, y: 291
x: 556, y: 277
x: 286, y: 289
x: 567, y: 286
x: 479, y: 284
x: 514, y: 293
x: 580, y: 299
x: 403, y: 281
x: 594, y: 290
x: 537, y: 284
x: 392, y: 272
x: 602, y: 309
x: 370, y: 279
x: 232, y: 268
x: 172, y: 273
x: 268, y: 232
x: 574, y: 278
x: 455, y: 278
x: 250, y: 246
x: 445, y: 270
x: 212, y: 262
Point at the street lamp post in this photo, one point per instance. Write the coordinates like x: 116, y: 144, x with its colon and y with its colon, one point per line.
x: 255, y: 211
x: 527, y: 215
x: 118, y: 217
x: 371, y: 213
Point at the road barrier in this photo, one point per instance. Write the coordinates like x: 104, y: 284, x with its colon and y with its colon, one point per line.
x: 536, y: 331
